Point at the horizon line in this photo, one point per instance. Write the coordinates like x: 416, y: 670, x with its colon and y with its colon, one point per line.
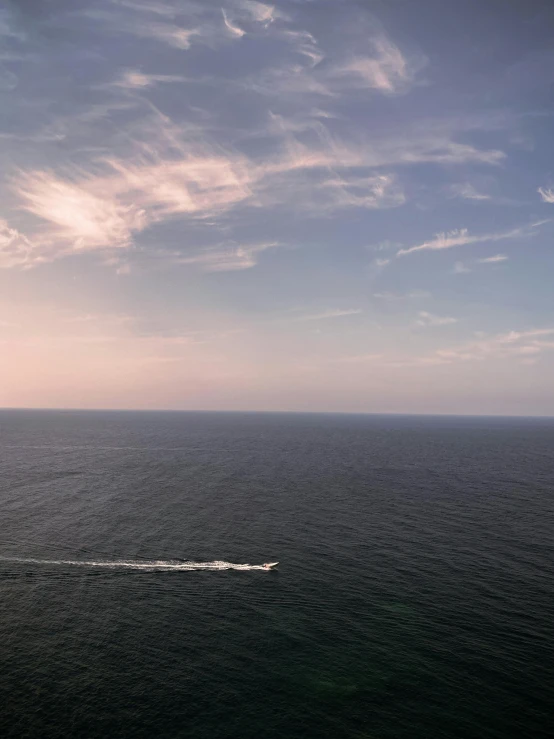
x: 275, y: 412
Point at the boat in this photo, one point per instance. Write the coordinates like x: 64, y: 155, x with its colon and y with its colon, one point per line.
x: 270, y: 565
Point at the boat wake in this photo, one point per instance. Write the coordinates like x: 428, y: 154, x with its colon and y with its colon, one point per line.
x: 157, y: 564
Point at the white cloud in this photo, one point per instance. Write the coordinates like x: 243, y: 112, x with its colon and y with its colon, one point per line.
x: 156, y: 8
x: 322, y: 175
x: 461, y: 237
x: 81, y: 215
x: 494, y: 259
x: 460, y: 268
x: 157, y: 171
x: 8, y: 80
x: 15, y: 249
x: 512, y: 343
x: 523, y: 346
x: 289, y: 81
x: 233, y: 29
x: 160, y: 21
x: 179, y: 38
x: 412, y: 295
x: 544, y: 344
x: 231, y: 258
x: 458, y: 237
x: 383, y: 246
x: 8, y: 30
x: 528, y: 349
x: 411, y: 146
x: 333, y: 313
x: 246, y: 16
x: 199, y: 184
x: 381, y: 262
x: 513, y: 336
x: 259, y: 12
x: 468, y: 192
x: 163, y: 176
x: 169, y: 172
x: 380, y: 191
x: 168, y: 33
x: 547, y: 195
x: 429, y: 319
x: 386, y: 71
x: 135, y: 80
x: 306, y: 45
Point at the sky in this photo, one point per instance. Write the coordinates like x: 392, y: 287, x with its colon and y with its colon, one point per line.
x: 305, y: 205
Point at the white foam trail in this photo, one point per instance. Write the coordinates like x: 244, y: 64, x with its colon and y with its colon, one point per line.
x: 158, y: 564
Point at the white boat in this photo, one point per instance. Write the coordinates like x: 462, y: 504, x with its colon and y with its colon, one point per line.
x: 270, y: 565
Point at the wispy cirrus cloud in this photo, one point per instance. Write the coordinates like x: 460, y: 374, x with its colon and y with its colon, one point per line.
x: 493, y: 260
x: 462, y: 237
x: 461, y: 268
x: 511, y: 343
x: 243, y: 13
x: 132, y: 79
x: 55, y: 127
x: 78, y: 215
x: 226, y: 259
x: 430, y: 319
x: 525, y: 347
x: 233, y: 29
x: 151, y: 20
x: 547, y: 194
x: 380, y: 263
x: 332, y: 313
x: 150, y: 7
x: 412, y: 295
x: 165, y: 175
x: 307, y: 145
x: 106, y: 208
x: 306, y: 45
x: 260, y: 12
x: 410, y: 146
x: 223, y: 257
x: 179, y: 38
x: 385, y: 70
x: 310, y: 188
x: 371, y: 61
x: 15, y: 249
x: 8, y: 29
x: 168, y: 33
x: 468, y: 192
x: 8, y: 80
x: 162, y: 23
x: 157, y: 170
x: 379, y: 191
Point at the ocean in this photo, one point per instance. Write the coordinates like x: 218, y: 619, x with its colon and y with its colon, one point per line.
x: 414, y: 596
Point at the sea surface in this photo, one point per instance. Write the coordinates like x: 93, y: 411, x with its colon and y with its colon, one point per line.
x: 414, y: 596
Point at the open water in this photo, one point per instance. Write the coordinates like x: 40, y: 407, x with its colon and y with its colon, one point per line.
x: 414, y: 596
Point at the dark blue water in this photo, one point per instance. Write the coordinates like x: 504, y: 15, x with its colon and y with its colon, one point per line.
x: 414, y: 596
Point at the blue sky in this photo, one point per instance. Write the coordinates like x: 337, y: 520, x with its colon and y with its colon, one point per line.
x: 308, y: 205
